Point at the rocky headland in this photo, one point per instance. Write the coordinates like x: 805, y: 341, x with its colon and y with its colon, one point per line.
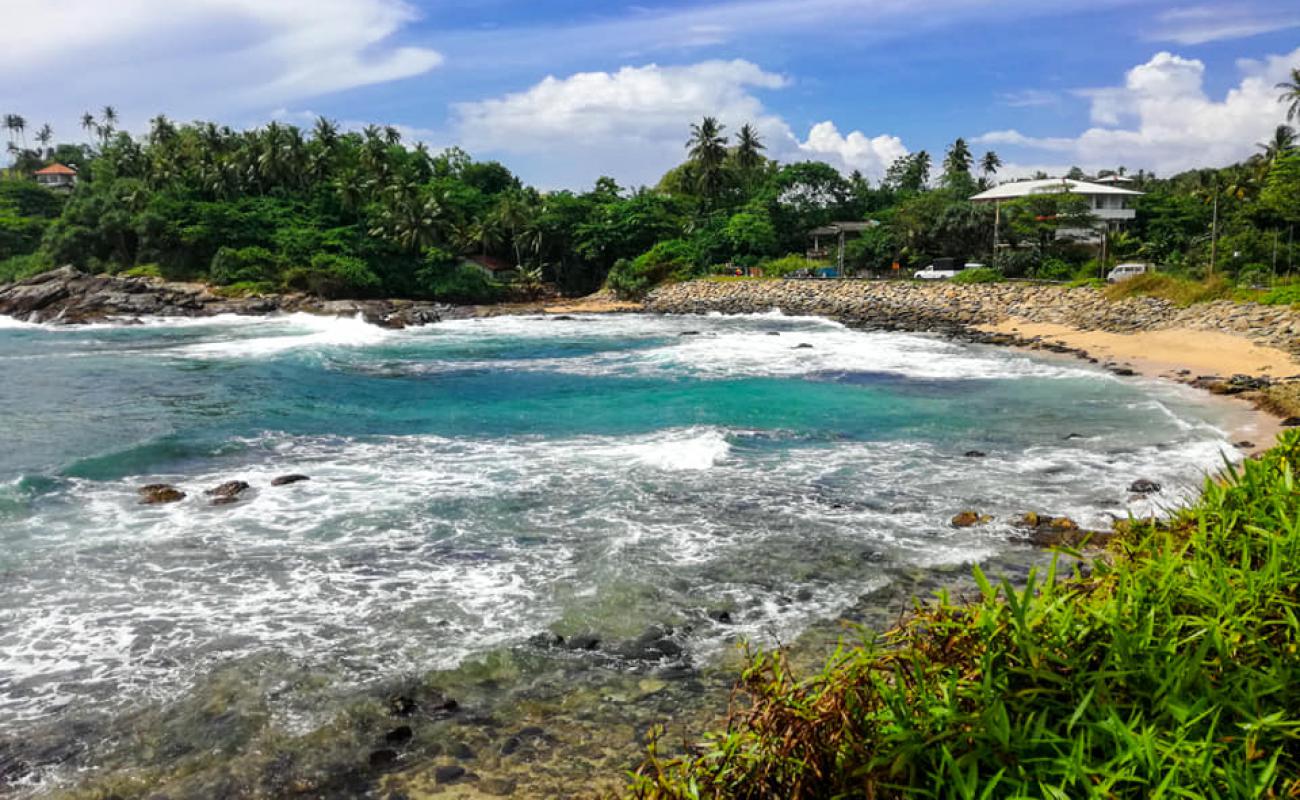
x: 70, y: 296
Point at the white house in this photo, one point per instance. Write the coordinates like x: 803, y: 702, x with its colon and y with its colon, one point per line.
x: 1108, y: 202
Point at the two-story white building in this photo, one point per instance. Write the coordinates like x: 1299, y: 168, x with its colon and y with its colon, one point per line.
x: 1110, y: 203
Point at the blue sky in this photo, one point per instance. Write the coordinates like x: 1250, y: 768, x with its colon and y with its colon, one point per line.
x: 565, y: 91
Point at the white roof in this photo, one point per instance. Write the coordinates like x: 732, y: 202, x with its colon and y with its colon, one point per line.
x: 1013, y: 189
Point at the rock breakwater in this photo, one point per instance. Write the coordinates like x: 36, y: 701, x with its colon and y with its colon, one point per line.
x: 947, y: 307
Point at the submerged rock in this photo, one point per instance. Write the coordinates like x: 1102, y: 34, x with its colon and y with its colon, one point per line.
x: 968, y: 519
x: 159, y: 493
x: 285, y: 480
x: 448, y: 773
x: 1144, y: 486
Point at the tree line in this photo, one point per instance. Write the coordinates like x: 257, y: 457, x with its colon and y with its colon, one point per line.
x: 362, y: 213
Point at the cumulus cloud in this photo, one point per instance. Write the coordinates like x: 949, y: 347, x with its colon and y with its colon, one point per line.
x: 586, y: 124
x: 1162, y: 119
x: 228, y: 55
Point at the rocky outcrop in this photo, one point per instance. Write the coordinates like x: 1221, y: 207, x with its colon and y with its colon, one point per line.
x: 948, y: 307
x: 67, y: 295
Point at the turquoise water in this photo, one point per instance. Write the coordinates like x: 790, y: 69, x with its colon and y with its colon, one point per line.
x: 477, y: 483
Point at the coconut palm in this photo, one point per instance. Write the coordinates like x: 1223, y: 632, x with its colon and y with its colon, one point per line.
x: 1291, y: 94
x: 990, y: 163
x: 1282, y: 142
x: 708, y: 150
x: 958, y: 159
x: 749, y: 148
x: 88, y: 122
x: 44, y: 136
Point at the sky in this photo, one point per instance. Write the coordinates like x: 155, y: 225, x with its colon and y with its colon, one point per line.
x: 565, y: 91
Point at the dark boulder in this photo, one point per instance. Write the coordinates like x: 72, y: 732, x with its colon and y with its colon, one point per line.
x: 399, y: 735
x: 227, y: 492
x: 285, y: 480
x: 1144, y: 486
x: 381, y: 759
x: 968, y: 519
x: 159, y: 493
x: 974, y: 454
x: 448, y: 773
x: 583, y: 641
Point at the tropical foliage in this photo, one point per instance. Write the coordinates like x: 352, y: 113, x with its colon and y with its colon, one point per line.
x: 356, y: 213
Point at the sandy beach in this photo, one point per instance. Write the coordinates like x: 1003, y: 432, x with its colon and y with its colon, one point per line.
x: 1179, y: 354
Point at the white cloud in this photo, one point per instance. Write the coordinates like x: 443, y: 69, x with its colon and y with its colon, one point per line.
x: 634, y: 122
x: 1201, y: 24
x: 199, y: 57
x: 872, y: 155
x: 1161, y: 119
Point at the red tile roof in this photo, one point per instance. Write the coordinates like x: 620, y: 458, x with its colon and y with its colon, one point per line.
x: 56, y: 169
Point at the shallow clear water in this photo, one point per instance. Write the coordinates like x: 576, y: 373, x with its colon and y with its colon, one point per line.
x: 477, y: 482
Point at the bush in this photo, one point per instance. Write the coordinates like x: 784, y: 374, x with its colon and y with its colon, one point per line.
x: 672, y: 259
x: 1016, y: 263
x: 1282, y: 295
x: 17, y: 268
x: 978, y: 275
x: 333, y: 277
x: 1167, y: 668
x: 1054, y: 269
x: 246, y: 264
x: 779, y: 267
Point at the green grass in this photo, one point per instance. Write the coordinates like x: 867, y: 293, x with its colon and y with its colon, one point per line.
x: 1179, y: 291
x: 1166, y: 669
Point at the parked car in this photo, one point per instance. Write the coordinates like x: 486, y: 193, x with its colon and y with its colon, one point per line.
x: 941, y: 269
x: 1123, y: 272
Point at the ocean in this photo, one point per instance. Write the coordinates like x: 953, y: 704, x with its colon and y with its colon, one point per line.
x: 628, y: 495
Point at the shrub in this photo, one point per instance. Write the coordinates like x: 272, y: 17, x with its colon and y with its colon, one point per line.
x: 1167, y: 668
x: 1283, y: 295
x: 978, y: 275
x: 1016, y: 263
x: 785, y: 265
x: 17, y: 268
x: 333, y: 277
x: 672, y: 259
x: 245, y: 264
x: 1054, y: 269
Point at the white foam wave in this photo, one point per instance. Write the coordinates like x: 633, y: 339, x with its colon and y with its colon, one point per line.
x: 293, y: 332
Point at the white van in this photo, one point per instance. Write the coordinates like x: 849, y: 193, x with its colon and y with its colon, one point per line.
x: 1123, y: 272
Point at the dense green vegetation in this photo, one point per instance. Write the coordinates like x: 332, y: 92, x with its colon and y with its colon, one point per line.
x: 1167, y: 669
x: 361, y: 213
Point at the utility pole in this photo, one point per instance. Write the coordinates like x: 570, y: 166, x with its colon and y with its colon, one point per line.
x: 1214, y: 232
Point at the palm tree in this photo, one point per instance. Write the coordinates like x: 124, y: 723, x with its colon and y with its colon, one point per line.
x: 16, y: 124
x: 392, y: 136
x: 44, y: 136
x: 110, y: 115
x: 708, y: 150
x: 1282, y: 142
x: 88, y: 122
x: 958, y: 159
x: 989, y: 163
x: 749, y: 148
x: 1291, y: 94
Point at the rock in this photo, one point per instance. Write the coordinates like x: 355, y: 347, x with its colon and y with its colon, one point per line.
x: 386, y: 757
x: 689, y: 333
x: 773, y: 333
x: 583, y: 641
x: 802, y: 346
x: 159, y: 493
x: 285, y: 480
x: 448, y: 773
x: 462, y: 751
x: 1123, y: 371
x: 974, y: 454
x: 1144, y: 486
x: 653, y: 645
x: 967, y: 519
x: 1290, y: 422
x: 399, y: 735
x: 1245, y: 445
x: 719, y: 615
x: 226, y: 493
x: 498, y: 787
x: 400, y: 705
